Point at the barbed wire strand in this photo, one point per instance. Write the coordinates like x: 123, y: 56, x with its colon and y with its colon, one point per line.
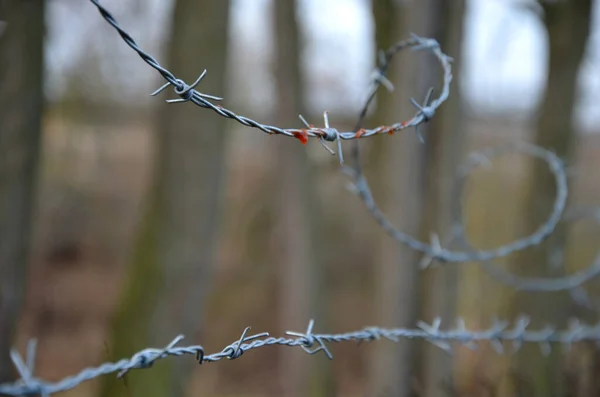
x: 188, y: 93
x: 312, y: 343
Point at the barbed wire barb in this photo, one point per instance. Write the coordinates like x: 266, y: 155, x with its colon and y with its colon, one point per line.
x: 310, y: 340
x: 425, y: 110
x: 186, y: 91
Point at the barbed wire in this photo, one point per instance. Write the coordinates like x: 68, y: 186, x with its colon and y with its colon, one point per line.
x: 498, y: 335
x: 188, y: 93
x: 434, y: 251
x: 425, y: 112
x: 573, y: 283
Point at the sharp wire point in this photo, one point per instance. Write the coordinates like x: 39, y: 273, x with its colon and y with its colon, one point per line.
x: 428, y: 96
x: 31, y: 355
x: 330, y: 150
x: 416, y: 104
x: 160, y: 89
x: 304, y: 121
x: 213, y: 97
x: 195, y: 83
x: 326, y: 118
x: 339, y: 142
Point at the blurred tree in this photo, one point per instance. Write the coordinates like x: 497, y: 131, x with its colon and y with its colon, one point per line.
x: 21, y: 107
x: 393, y: 164
x: 567, y: 26
x: 174, y: 257
x: 301, y: 275
x: 443, y: 150
x: 420, y: 194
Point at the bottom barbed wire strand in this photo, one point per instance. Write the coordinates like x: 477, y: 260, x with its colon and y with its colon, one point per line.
x: 498, y: 334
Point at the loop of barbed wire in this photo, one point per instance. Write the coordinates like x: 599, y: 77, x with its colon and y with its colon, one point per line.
x: 498, y: 335
x: 573, y: 282
x: 434, y: 250
x: 539, y: 284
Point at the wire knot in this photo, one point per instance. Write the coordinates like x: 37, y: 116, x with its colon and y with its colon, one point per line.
x: 146, y: 360
x: 329, y: 134
x: 518, y: 332
x: 326, y: 134
x: 435, y: 337
x: 235, y: 350
x: 424, y: 43
x: 426, y: 111
x: 373, y: 333
x: 308, y: 339
x: 187, y: 92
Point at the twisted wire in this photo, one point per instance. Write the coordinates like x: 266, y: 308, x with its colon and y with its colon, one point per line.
x: 498, y: 335
x: 187, y: 93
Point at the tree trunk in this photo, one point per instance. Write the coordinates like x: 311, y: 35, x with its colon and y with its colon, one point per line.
x: 444, y: 143
x: 396, y: 185
x: 175, y: 256
x: 568, y: 27
x: 21, y: 107
x: 301, y: 275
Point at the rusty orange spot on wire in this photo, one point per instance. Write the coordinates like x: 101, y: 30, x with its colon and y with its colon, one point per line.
x: 359, y: 133
x: 387, y: 129
x: 302, y: 136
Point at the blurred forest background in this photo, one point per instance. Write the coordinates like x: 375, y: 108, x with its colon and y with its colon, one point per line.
x: 125, y: 221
